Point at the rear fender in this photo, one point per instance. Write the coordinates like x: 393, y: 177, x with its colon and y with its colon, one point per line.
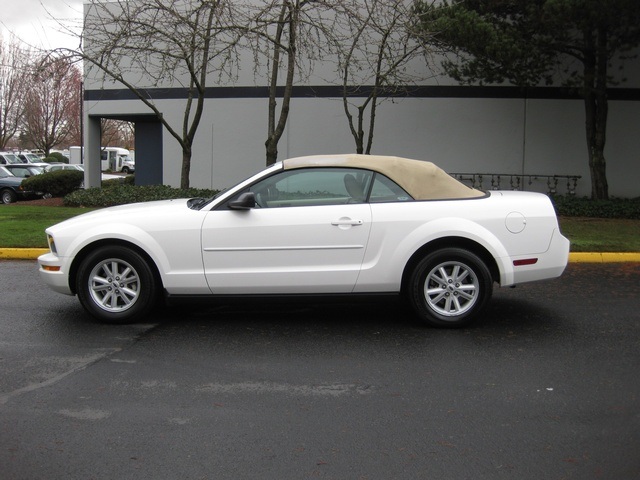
x: 436, y: 231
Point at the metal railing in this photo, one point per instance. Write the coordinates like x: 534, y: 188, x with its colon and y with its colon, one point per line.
x: 508, y: 181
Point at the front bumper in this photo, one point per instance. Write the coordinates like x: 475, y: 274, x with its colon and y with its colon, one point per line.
x: 53, y: 273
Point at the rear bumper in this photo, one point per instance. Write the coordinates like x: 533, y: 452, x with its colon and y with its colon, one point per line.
x: 548, y: 265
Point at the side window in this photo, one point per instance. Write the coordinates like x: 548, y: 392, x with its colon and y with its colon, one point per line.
x: 386, y: 190
x: 313, y: 186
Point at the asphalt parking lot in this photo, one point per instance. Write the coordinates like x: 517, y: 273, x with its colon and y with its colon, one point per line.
x: 546, y: 387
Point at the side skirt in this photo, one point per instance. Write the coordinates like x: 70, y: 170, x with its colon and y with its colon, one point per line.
x: 349, y: 298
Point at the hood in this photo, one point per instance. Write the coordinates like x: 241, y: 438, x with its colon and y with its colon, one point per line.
x: 129, y: 213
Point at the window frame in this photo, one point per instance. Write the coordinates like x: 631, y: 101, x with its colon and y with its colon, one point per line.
x: 278, y: 176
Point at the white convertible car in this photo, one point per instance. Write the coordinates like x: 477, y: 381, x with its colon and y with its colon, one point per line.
x: 321, y: 225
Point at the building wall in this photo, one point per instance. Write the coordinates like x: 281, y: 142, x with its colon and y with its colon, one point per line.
x: 464, y: 135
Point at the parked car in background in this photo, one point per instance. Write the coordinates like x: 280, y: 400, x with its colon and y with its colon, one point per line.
x: 11, y: 188
x: 73, y: 166
x: 335, y: 225
x: 24, y: 170
x: 62, y: 166
x: 32, y: 158
x: 7, y: 158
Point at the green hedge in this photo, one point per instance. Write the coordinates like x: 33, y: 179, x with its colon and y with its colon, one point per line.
x: 120, y: 193
x: 568, y: 206
x: 56, y: 184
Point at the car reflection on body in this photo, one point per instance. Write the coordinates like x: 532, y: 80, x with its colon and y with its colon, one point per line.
x: 337, y: 225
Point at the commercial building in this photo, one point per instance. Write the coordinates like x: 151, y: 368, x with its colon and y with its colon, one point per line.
x: 523, y: 137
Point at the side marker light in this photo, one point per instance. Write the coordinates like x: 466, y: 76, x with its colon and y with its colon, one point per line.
x: 525, y: 261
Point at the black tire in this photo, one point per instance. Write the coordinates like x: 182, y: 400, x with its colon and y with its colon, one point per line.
x: 8, y: 196
x: 450, y: 287
x: 115, y: 284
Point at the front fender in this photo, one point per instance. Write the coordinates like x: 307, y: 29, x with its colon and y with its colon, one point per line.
x: 119, y: 232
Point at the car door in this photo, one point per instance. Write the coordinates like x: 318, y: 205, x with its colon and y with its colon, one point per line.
x: 307, y: 234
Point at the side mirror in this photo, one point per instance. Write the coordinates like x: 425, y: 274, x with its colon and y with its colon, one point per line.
x: 246, y: 201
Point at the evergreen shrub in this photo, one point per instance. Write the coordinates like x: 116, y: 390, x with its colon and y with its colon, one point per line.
x: 569, y: 206
x: 121, y: 193
x: 56, y: 184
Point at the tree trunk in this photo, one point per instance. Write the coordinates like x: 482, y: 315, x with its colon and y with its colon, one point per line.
x: 276, y: 129
x: 272, y: 150
x: 596, y: 111
x: 186, y: 167
x: 596, y: 107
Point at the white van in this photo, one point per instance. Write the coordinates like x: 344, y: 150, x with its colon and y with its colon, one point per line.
x: 115, y: 159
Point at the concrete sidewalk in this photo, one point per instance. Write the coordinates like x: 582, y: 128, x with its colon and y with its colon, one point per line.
x: 574, y: 257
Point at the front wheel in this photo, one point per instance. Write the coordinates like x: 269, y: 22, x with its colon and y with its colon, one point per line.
x: 449, y: 288
x: 8, y: 196
x: 115, y: 284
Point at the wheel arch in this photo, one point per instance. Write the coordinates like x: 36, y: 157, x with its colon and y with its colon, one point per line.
x: 450, y: 242
x: 111, y: 242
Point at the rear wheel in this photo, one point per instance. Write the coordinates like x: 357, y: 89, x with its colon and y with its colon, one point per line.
x: 8, y: 196
x: 450, y: 287
x: 116, y: 285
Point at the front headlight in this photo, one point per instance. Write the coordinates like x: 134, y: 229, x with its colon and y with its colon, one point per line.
x: 52, y: 245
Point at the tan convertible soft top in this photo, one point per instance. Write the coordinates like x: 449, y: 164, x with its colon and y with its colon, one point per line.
x: 420, y: 179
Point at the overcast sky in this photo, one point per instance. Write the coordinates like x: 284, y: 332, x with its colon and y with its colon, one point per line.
x: 33, y: 21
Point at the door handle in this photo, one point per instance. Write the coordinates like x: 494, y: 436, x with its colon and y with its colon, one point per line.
x: 346, y: 222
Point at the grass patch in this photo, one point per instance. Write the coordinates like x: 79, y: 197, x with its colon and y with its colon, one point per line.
x: 23, y: 226
x: 601, y: 234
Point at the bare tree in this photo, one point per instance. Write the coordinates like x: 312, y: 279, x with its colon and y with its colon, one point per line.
x: 147, y: 44
x: 13, y: 82
x: 292, y: 35
x: 52, y: 103
x: 377, y: 47
x: 118, y: 133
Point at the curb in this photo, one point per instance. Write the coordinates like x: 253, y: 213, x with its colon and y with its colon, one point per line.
x: 574, y: 257
x: 603, y: 257
x: 22, y: 253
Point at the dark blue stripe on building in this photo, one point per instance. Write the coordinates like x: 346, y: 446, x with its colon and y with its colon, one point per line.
x: 331, y: 91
